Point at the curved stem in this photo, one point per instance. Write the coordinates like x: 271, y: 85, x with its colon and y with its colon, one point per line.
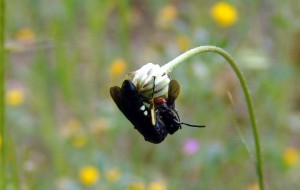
x: 180, y: 59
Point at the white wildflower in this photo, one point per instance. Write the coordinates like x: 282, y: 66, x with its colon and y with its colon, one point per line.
x: 144, y: 77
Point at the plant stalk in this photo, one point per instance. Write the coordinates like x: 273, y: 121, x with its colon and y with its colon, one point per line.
x: 2, y: 95
x: 187, y: 55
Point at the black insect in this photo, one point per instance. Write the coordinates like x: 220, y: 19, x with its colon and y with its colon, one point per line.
x: 154, y: 118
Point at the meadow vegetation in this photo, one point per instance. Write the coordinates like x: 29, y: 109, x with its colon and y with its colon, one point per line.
x: 63, y: 131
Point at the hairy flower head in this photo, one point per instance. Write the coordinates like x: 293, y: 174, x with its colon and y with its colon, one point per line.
x: 144, y: 77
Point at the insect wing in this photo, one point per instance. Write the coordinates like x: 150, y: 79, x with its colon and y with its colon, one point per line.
x: 141, y: 122
x: 174, y: 89
x: 125, y: 106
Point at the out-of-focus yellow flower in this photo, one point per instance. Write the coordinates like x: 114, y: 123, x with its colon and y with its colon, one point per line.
x: 89, y: 175
x: 253, y: 187
x: 118, y: 67
x: 25, y: 35
x: 137, y: 186
x: 0, y: 141
x: 79, y: 140
x: 15, y: 97
x: 112, y: 175
x: 71, y: 128
x: 224, y: 13
x: 291, y: 156
x: 157, y: 186
x: 166, y: 15
x: 183, y: 42
x: 99, y: 126
x: 73, y: 124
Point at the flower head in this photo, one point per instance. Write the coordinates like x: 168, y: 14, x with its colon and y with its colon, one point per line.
x: 191, y: 146
x: 253, y: 186
x: 15, y: 97
x: 144, y: 77
x: 99, y: 126
x: 25, y: 35
x: 224, y: 13
x: 79, y: 140
x: 291, y: 156
x: 72, y: 127
x: 89, y: 175
x: 183, y: 42
x: 157, y: 186
x: 112, y: 175
x: 118, y: 67
x: 137, y: 186
x: 166, y: 16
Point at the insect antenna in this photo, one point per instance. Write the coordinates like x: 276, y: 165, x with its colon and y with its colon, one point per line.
x: 153, y: 89
x: 191, y: 125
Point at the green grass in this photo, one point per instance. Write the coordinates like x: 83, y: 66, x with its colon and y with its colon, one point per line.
x: 2, y: 93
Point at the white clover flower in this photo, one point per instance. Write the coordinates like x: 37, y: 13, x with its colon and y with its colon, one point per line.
x: 144, y: 77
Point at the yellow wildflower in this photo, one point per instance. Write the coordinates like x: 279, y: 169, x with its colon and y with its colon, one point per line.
x: 291, y: 156
x: 166, y: 15
x: 73, y: 124
x: 157, y: 186
x: 15, y: 97
x: 79, y: 140
x: 25, y: 35
x: 118, y: 67
x: 136, y: 186
x: 0, y: 141
x: 70, y: 128
x: 253, y: 187
x: 89, y: 175
x: 224, y: 14
x: 183, y: 42
x: 112, y: 175
x: 99, y: 126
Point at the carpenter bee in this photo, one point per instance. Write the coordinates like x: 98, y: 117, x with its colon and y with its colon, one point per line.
x: 154, y: 118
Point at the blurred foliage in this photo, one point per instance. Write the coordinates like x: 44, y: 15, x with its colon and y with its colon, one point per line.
x: 66, y: 132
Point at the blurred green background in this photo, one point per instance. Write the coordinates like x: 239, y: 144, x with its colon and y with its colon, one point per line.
x: 65, y: 132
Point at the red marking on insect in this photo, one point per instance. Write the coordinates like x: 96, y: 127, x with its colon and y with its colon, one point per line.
x: 159, y: 100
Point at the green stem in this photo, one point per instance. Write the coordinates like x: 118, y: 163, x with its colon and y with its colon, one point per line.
x: 2, y: 93
x: 180, y: 59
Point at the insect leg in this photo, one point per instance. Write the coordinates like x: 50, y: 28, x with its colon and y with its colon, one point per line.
x: 152, y: 109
